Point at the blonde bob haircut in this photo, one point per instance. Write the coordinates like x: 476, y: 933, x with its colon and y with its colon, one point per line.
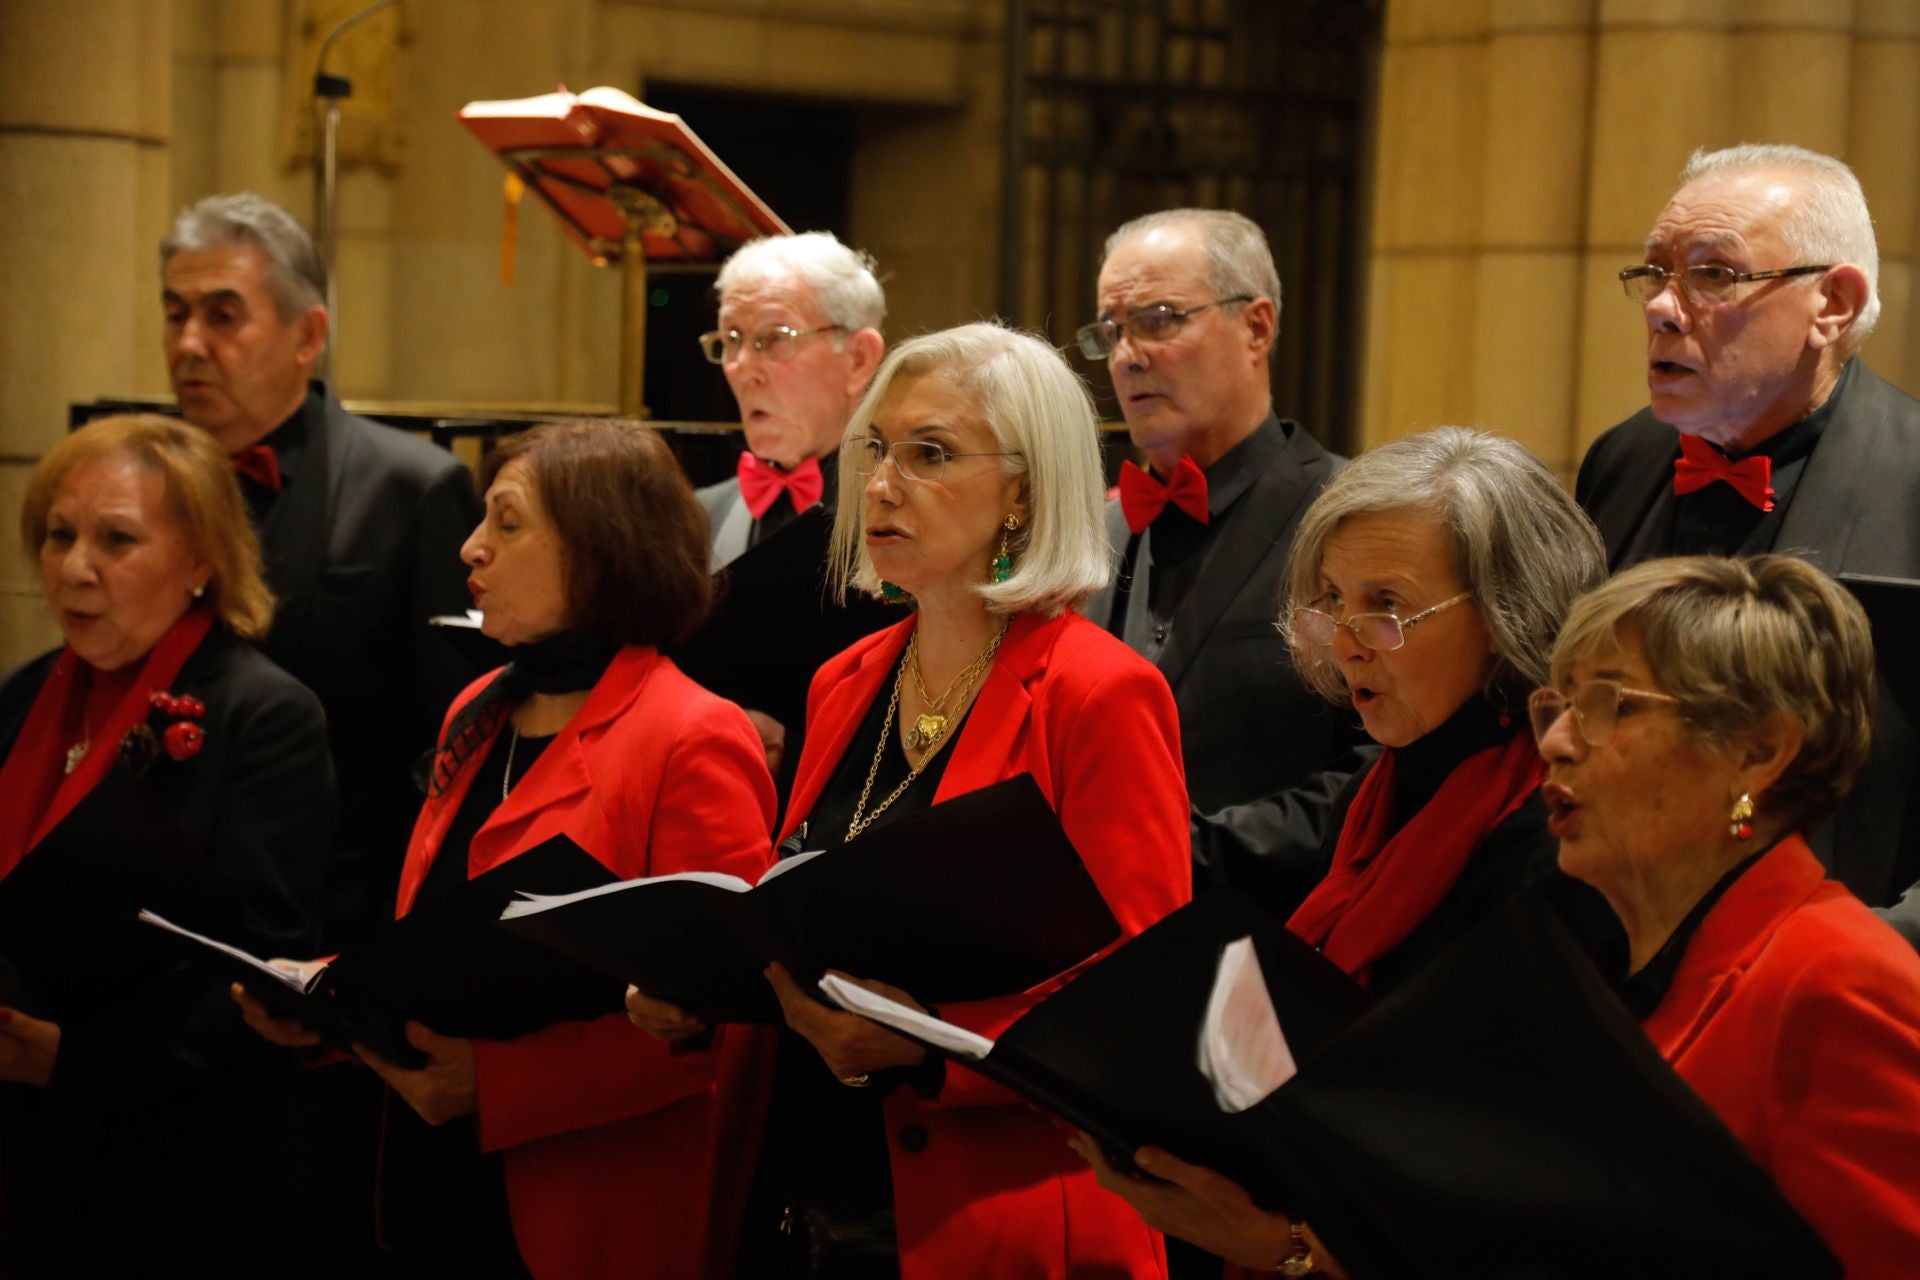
x: 200, y: 493
x: 1739, y: 640
x: 1520, y: 545
x: 1039, y: 411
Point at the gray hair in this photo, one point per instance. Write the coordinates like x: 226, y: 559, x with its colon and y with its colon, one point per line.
x: 1521, y: 546
x: 1238, y: 258
x: 1827, y: 222
x: 1737, y: 640
x: 842, y: 278
x: 293, y: 276
x: 1039, y: 411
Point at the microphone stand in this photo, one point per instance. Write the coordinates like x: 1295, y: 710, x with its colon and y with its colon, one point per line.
x: 329, y: 91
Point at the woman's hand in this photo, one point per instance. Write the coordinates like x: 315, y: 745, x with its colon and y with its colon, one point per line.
x: 851, y: 1046
x: 445, y: 1089
x: 659, y: 1019
x: 28, y: 1047
x: 289, y: 1033
x: 1200, y: 1207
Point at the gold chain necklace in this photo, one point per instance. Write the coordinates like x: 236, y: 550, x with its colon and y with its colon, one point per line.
x: 861, y: 818
x: 931, y: 724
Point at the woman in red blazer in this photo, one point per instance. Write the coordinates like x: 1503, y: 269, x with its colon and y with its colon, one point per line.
x: 578, y: 1150
x: 1719, y: 708
x: 970, y: 482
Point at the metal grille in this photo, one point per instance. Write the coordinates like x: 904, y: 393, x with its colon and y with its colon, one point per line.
x: 1117, y: 108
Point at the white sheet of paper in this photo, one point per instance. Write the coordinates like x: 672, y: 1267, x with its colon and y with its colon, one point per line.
x: 1243, y: 1053
x: 532, y: 904
x: 955, y: 1041
x: 290, y: 977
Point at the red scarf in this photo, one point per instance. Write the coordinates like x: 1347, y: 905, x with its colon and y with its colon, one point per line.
x: 1384, y: 883
x: 37, y: 794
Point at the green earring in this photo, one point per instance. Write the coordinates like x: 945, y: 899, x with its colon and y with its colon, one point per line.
x: 891, y: 594
x: 1002, y: 568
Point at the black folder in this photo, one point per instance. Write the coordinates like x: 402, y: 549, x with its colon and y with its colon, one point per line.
x: 774, y: 622
x: 980, y: 896
x: 448, y: 965
x: 1500, y: 1114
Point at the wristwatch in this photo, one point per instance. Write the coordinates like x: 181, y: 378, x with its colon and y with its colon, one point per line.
x: 1301, y: 1261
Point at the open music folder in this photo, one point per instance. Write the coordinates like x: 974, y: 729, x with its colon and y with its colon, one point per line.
x: 980, y: 896
x: 1501, y: 1114
x: 447, y: 964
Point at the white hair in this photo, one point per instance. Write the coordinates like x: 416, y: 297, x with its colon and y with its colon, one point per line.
x: 1039, y: 411
x: 292, y: 273
x: 842, y: 278
x: 1827, y: 222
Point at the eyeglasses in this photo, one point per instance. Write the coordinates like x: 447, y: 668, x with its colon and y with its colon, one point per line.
x: 1379, y: 631
x: 1156, y: 323
x: 777, y: 343
x: 915, y: 459
x: 1646, y: 282
x: 1596, y: 708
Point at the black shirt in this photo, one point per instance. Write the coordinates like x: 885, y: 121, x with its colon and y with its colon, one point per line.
x: 289, y: 444
x: 1643, y: 991
x: 782, y: 512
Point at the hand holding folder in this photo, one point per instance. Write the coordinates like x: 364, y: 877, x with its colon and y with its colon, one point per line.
x: 978, y: 897
x: 1500, y: 1114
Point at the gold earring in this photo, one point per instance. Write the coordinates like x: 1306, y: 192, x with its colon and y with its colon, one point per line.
x: 1003, y: 561
x: 1740, y: 821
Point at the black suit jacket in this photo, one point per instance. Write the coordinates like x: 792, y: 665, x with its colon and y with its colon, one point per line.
x: 361, y: 549
x: 154, y: 1132
x: 1248, y: 727
x: 1856, y: 509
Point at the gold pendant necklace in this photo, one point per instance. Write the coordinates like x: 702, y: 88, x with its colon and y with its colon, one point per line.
x: 931, y: 725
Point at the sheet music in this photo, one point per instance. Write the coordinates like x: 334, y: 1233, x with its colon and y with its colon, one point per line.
x: 288, y: 977
x: 955, y: 1041
x: 529, y: 904
x: 1243, y: 1053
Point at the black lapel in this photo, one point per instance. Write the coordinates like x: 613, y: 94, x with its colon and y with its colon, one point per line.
x: 1827, y: 502
x: 293, y: 538
x: 1260, y: 519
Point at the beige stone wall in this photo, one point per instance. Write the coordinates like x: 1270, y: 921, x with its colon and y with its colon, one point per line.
x: 1525, y: 147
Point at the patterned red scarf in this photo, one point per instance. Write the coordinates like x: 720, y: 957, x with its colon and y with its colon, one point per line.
x: 1384, y: 883
x: 38, y: 795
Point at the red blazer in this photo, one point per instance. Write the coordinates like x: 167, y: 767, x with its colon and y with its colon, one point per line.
x: 605, y: 1129
x: 1796, y: 1014
x: 983, y: 1185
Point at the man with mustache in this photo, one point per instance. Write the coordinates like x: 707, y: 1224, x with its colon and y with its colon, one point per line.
x: 360, y: 524
x: 1189, y: 308
x: 1764, y: 431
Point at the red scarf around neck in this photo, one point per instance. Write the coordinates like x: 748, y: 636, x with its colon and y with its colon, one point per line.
x: 34, y: 794
x: 1384, y: 883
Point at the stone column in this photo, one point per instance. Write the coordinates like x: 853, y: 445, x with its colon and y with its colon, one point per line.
x: 1524, y: 149
x: 85, y: 117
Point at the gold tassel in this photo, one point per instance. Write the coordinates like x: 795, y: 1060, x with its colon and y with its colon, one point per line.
x: 510, y: 226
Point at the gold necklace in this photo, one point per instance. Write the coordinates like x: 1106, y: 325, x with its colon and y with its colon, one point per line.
x: 861, y: 818
x: 506, y: 777
x: 931, y: 724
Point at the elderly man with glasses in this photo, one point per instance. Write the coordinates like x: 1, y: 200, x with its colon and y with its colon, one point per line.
x: 798, y: 339
x: 1764, y: 431
x: 1189, y: 307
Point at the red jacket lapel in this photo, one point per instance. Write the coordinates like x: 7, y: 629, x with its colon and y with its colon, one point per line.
x: 994, y: 743
x: 561, y: 773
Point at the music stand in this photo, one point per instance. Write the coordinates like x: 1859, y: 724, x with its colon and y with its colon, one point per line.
x: 630, y: 185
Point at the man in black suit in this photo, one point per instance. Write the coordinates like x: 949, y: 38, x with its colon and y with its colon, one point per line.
x: 798, y: 340
x: 1189, y: 308
x: 360, y: 525
x: 1765, y: 432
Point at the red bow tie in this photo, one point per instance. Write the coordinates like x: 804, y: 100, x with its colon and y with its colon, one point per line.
x: 1143, y: 498
x: 259, y: 463
x: 1700, y: 464
x: 762, y: 483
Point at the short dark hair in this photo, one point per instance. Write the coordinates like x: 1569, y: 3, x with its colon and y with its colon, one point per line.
x: 633, y: 534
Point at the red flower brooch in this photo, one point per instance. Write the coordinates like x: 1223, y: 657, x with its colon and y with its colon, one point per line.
x: 181, y: 739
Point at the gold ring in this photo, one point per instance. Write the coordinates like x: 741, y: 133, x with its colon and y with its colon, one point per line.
x: 860, y: 1081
